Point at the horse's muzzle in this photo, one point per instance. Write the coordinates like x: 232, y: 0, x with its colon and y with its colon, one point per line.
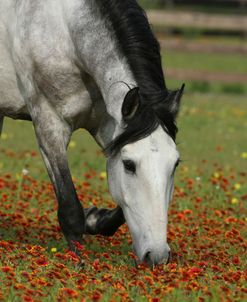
x: 153, y: 257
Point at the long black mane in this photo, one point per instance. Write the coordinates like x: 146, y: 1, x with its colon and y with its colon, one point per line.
x: 136, y: 41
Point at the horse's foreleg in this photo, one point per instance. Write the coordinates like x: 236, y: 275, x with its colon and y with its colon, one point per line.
x: 53, y: 135
x: 102, y: 221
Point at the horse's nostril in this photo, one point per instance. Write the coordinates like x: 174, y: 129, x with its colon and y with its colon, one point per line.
x: 153, y: 259
x: 150, y: 259
x: 146, y: 257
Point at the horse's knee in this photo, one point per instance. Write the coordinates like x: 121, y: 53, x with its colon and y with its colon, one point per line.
x: 92, y: 218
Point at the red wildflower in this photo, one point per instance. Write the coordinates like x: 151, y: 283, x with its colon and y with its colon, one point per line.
x: 236, y: 260
x: 27, y: 298
x: 79, y: 246
x: 19, y: 286
x: 41, y: 261
x: 190, y: 273
x: 6, y: 269
x: 96, y: 296
x: 96, y: 264
x: 73, y: 257
x: 68, y: 292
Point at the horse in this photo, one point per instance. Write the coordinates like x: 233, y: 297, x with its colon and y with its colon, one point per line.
x: 95, y: 64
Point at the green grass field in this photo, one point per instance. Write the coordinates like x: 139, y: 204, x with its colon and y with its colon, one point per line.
x: 208, y: 207
x: 205, y: 122
x: 207, y: 62
x: 207, y: 217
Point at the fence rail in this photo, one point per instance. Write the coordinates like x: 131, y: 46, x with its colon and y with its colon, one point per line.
x: 198, y: 2
x: 177, y: 19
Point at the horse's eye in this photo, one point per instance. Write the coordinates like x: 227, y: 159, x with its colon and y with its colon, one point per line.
x: 129, y: 166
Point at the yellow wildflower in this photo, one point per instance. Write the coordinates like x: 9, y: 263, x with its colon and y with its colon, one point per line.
x: 185, y: 169
x: 237, y: 186
x: 103, y: 175
x: 18, y: 176
x: 4, y: 136
x: 72, y: 144
x: 234, y: 201
x: 244, y: 155
x: 216, y: 175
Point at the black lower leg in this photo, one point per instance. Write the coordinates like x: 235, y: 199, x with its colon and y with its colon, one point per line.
x: 102, y: 221
x: 70, y: 212
x: 53, y: 134
x: 71, y: 215
x: 72, y: 223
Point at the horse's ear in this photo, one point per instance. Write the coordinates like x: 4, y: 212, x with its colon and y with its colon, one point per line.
x: 130, y: 104
x: 175, y: 99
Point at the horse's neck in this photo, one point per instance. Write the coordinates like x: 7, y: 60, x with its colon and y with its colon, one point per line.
x: 97, y: 50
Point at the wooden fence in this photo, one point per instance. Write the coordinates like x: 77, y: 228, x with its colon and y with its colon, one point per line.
x: 197, y: 20
x: 202, y: 2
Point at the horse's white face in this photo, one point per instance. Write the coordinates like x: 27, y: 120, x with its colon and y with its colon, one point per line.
x: 141, y: 181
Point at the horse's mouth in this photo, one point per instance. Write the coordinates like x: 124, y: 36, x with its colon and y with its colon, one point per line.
x: 151, y: 264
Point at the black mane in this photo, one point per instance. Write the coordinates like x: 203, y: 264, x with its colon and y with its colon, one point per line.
x: 137, y: 43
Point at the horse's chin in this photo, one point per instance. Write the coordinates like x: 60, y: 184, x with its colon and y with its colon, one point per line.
x: 138, y: 262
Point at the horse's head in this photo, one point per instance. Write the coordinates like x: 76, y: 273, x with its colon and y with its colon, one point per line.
x: 140, y: 175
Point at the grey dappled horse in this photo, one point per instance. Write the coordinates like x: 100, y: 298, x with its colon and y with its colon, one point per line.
x: 95, y: 64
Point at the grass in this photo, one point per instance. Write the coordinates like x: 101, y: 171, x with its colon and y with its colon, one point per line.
x: 216, y: 88
x: 207, y: 217
x: 207, y: 62
x: 223, y: 112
